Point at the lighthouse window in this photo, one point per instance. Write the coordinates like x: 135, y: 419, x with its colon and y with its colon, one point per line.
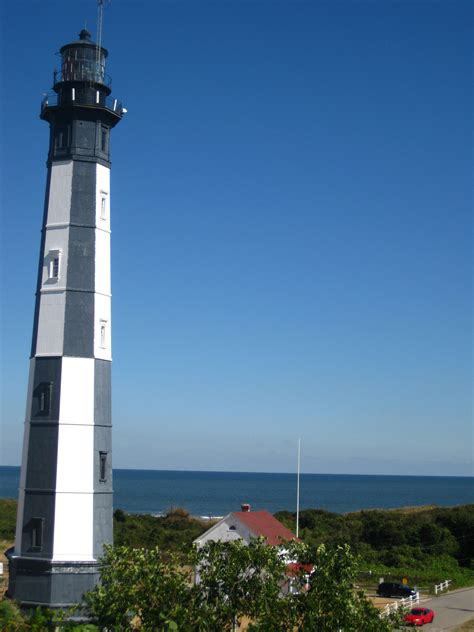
x: 103, y: 333
x: 55, y: 268
x: 62, y: 137
x: 37, y: 534
x: 103, y: 208
x: 103, y: 138
x: 44, y: 402
x: 53, y: 260
x: 103, y: 466
x: 44, y: 398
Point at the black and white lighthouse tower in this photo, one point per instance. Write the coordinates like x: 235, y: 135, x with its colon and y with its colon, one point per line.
x: 65, y: 497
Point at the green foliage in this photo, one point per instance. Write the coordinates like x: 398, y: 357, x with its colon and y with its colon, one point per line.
x: 138, y: 585
x: 7, y: 518
x: 332, y: 603
x: 173, y: 532
x: 430, y: 571
x: 237, y: 580
x: 12, y: 619
x: 426, y: 545
x: 142, y: 589
x: 326, y: 600
x: 460, y: 522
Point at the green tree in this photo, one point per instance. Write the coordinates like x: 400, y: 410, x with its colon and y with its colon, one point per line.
x: 139, y: 589
x: 331, y: 601
x: 236, y: 580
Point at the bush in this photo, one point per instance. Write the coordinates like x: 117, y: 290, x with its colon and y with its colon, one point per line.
x: 7, y: 518
x: 173, y: 532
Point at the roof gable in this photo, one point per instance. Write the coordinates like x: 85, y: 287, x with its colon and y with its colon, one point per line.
x: 212, y: 530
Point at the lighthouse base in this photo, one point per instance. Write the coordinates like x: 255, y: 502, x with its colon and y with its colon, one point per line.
x: 38, y: 582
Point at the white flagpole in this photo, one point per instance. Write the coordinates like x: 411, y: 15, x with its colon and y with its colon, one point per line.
x: 298, y: 491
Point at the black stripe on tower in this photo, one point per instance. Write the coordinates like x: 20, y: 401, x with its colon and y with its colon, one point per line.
x: 103, y: 487
x: 102, y: 393
x: 46, y: 390
x: 39, y: 505
x: 41, y: 466
x: 103, y: 522
x: 83, y: 200
x: 79, y: 310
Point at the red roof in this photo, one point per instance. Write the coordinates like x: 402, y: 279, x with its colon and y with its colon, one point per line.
x: 295, y: 568
x: 262, y: 523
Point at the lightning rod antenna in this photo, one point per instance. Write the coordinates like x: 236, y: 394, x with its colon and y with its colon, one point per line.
x: 100, y: 22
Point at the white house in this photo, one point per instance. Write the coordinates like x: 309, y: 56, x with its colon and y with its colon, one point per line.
x: 245, y: 525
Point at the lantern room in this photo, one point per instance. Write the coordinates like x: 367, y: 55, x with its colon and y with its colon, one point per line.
x: 82, y: 61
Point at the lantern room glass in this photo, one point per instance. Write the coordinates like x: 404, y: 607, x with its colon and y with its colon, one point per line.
x: 83, y: 63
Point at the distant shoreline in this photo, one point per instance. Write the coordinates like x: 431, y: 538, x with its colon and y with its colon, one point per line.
x: 219, y: 493
x: 405, y: 509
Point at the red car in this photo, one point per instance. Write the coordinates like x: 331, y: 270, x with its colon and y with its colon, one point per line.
x: 419, y: 616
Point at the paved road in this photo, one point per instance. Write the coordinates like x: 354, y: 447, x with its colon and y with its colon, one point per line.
x: 451, y: 609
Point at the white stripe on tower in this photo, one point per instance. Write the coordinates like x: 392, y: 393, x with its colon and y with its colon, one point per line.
x: 102, y: 298
x: 73, y: 539
x: 50, y: 336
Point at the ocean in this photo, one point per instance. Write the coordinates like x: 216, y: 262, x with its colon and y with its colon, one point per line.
x: 218, y: 493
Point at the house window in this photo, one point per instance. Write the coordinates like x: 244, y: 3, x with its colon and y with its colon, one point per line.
x: 37, y: 534
x: 103, y: 334
x: 103, y: 466
x: 103, y: 205
x: 232, y: 528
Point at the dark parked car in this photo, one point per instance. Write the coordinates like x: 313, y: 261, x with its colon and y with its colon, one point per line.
x: 395, y: 589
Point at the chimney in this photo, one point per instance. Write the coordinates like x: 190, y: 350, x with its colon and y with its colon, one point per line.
x: 245, y: 507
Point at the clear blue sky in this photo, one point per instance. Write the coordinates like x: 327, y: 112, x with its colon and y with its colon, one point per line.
x: 291, y: 208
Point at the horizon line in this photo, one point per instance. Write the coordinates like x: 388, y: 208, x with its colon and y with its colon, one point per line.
x: 135, y: 469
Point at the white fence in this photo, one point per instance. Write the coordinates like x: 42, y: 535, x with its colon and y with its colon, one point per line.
x: 402, y: 603
x: 443, y: 586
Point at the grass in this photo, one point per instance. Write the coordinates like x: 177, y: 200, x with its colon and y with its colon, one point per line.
x: 468, y: 626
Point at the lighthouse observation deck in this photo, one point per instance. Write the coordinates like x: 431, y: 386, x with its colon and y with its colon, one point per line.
x: 73, y: 97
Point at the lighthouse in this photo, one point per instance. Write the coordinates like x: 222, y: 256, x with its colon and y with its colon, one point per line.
x: 65, y: 496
